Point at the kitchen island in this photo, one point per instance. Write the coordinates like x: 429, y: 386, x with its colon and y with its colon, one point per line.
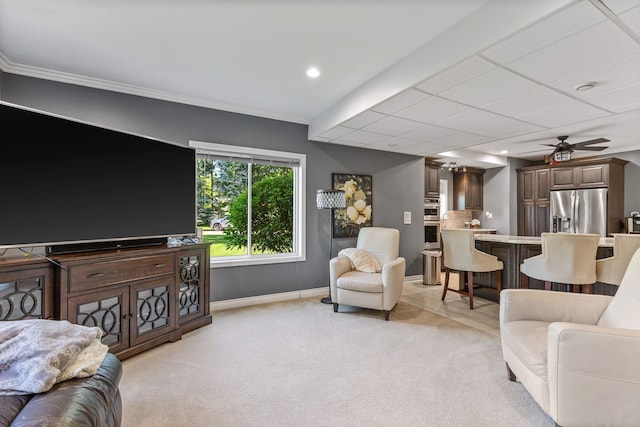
x: 512, y: 250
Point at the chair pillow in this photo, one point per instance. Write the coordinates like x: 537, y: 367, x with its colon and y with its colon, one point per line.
x: 361, y: 260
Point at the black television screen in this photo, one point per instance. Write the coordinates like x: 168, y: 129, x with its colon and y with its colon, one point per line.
x: 67, y: 182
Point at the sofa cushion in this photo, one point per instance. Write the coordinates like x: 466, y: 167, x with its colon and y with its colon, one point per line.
x: 527, y: 339
x: 624, y: 309
x: 361, y: 260
x: 361, y: 282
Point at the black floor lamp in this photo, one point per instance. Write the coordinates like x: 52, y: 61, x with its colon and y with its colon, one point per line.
x: 330, y: 199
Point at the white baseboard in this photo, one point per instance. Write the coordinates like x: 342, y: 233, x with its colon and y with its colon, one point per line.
x: 265, y: 299
x: 284, y: 296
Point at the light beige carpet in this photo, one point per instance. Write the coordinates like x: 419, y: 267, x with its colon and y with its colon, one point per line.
x: 298, y: 363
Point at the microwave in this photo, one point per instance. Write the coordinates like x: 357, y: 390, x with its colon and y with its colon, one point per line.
x: 632, y: 224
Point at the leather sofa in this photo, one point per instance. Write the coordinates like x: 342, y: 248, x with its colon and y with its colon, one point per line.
x: 92, y: 401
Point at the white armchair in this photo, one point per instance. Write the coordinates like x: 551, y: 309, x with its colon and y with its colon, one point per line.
x: 354, y: 285
x: 577, y: 354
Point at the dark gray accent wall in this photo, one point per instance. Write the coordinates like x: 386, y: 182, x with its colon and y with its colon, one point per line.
x: 398, y: 179
x: 631, y: 180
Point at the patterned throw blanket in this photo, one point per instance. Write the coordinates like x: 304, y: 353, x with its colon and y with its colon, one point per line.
x: 36, y: 354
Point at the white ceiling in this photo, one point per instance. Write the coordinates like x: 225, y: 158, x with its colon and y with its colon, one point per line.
x: 458, y: 80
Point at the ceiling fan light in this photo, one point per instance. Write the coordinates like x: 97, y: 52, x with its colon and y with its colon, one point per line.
x: 562, y: 156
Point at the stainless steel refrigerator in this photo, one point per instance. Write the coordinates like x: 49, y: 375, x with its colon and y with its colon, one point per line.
x: 579, y: 211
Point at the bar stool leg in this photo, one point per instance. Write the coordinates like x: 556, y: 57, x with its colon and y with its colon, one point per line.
x: 446, y: 282
x: 470, y: 286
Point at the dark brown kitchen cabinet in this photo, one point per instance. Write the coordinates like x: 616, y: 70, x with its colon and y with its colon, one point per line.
x: 536, y: 182
x: 467, y: 189
x: 533, y: 202
x: 431, y: 180
x: 585, y: 176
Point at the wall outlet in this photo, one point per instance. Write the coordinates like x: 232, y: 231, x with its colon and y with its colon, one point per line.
x: 407, y: 217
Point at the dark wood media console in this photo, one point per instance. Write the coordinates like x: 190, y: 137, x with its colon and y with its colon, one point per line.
x: 140, y: 297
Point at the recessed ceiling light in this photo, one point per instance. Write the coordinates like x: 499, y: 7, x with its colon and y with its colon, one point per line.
x: 586, y: 86
x: 504, y: 152
x: 313, y: 72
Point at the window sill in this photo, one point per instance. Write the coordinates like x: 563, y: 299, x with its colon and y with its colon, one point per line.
x: 241, y: 261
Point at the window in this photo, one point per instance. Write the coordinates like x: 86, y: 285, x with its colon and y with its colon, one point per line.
x: 250, y: 203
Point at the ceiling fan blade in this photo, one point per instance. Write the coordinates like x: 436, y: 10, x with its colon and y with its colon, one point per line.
x: 590, y: 148
x: 591, y: 141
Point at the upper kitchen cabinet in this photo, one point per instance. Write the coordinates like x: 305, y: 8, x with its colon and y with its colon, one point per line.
x: 599, y: 173
x: 467, y: 189
x: 431, y: 179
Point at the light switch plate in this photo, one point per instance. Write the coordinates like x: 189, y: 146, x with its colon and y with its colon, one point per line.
x: 407, y: 217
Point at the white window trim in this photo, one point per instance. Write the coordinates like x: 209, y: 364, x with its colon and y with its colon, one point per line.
x: 299, y: 201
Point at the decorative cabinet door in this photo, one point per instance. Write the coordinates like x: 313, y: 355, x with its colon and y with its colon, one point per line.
x: 191, y: 295
x: 108, y: 310
x: 26, y: 294
x: 154, y: 305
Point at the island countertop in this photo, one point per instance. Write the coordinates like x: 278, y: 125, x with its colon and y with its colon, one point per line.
x: 605, y: 242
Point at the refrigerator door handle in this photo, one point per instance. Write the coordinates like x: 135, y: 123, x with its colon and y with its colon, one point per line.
x: 576, y: 209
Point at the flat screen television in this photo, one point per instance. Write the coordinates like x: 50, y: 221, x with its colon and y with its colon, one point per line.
x: 64, y: 182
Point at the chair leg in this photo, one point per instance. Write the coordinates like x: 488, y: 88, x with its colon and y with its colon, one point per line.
x: 547, y: 285
x: 470, y: 288
x: 524, y: 281
x: 386, y: 314
x: 510, y: 374
x: 499, y: 282
x: 446, y: 283
x: 587, y: 289
x: 335, y: 307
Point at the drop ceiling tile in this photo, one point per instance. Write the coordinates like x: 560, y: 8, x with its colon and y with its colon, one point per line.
x: 455, y: 75
x: 618, y: 101
x: 608, y: 78
x: 395, y: 143
x: 618, y: 6
x: 472, y: 120
x: 536, y: 99
x: 432, y: 110
x: 428, y: 133
x: 632, y: 19
x: 459, y: 139
x: 490, y: 87
x: 361, y: 137
x: 562, y: 24
x: 336, y: 132
x: 400, y: 101
x: 565, y: 114
x: 393, y: 126
x: 365, y: 118
x: 508, y: 128
x: 576, y: 54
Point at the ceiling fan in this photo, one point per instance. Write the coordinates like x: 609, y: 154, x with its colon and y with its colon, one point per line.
x: 563, y: 149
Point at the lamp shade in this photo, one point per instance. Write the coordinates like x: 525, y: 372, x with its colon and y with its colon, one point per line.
x: 328, y: 199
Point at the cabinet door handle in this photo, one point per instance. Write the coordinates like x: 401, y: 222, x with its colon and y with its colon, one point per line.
x: 158, y: 265
x: 95, y: 275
